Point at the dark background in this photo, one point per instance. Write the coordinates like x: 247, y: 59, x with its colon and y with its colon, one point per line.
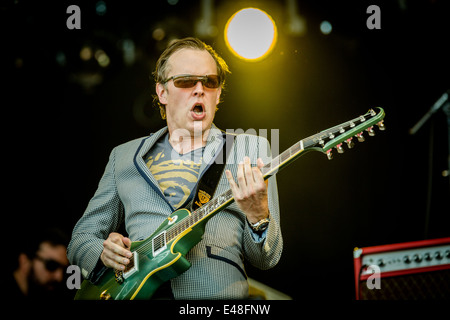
x: 62, y: 116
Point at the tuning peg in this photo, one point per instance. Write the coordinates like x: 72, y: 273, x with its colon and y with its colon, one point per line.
x: 339, y: 148
x: 370, y: 131
x: 350, y: 143
x: 329, y: 155
x: 360, y: 137
x: 381, y: 125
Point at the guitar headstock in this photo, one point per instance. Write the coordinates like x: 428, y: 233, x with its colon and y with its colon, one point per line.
x: 335, y: 137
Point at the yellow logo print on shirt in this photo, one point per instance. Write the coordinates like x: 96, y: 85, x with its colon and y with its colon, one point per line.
x: 176, y: 178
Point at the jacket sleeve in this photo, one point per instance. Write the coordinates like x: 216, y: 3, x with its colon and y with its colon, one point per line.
x: 103, y: 215
x: 262, y: 253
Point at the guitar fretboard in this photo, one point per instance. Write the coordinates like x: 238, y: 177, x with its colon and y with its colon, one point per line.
x: 207, y: 209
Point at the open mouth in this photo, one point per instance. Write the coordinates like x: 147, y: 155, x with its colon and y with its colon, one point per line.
x: 198, y: 109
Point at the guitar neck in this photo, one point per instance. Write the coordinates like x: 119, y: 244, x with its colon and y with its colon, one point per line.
x: 323, y: 142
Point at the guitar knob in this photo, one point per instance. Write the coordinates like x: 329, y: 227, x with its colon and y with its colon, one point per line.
x: 105, y: 295
x: 350, y: 143
x: 329, y: 155
x: 370, y: 131
x: 339, y: 148
x: 360, y: 137
x: 381, y: 125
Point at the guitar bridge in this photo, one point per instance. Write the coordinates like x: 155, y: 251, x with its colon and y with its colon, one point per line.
x: 132, y: 267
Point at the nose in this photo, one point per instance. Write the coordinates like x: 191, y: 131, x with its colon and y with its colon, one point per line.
x: 58, y: 275
x: 198, y: 89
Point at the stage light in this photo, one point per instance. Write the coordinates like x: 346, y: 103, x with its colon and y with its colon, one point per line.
x: 86, y: 53
x: 251, y: 34
x: 326, y: 27
x: 102, y: 58
x: 100, y: 8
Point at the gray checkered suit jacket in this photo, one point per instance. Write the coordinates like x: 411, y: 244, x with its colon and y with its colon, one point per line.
x: 129, y: 193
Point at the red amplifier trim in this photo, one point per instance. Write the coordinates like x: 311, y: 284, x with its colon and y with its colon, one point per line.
x: 405, y: 245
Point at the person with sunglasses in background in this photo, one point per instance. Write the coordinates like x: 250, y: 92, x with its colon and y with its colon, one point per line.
x: 148, y: 178
x: 39, y: 267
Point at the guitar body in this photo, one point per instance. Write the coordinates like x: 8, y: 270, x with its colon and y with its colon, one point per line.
x: 151, y: 268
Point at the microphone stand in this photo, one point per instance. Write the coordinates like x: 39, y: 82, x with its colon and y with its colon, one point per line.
x: 440, y: 103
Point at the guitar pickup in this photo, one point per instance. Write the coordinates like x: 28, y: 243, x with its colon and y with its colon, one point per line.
x: 159, y: 243
x: 132, y: 267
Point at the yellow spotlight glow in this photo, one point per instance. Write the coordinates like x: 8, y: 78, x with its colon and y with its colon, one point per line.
x: 251, y: 34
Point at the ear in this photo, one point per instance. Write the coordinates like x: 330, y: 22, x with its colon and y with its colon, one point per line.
x: 24, y: 263
x: 161, y: 91
x: 219, y: 92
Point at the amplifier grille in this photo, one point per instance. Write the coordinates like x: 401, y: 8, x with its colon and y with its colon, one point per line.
x: 418, y: 286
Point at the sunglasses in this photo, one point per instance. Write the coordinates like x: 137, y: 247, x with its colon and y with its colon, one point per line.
x: 188, y: 81
x: 50, y: 264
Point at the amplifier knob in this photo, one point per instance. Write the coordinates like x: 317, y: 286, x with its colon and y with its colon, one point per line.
x: 381, y: 263
x: 447, y: 254
x: 438, y: 255
x: 427, y: 256
x: 417, y: 258
x: 406, y: 259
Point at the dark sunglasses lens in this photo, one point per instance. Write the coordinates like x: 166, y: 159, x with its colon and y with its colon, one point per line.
x: 189, y: 82
x: 52, y: 265
x: 212, y: 82
x: 184, y: 82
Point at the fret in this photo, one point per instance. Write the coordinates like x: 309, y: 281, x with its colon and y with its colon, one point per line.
x: 296, y: 148
x: 170, y: 235
x: 275, y: 163
x: 285, y: 155
x: 266, y: 168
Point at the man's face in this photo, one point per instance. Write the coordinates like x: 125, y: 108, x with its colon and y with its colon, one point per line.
x: 53, y: 257
x: 193, y: 108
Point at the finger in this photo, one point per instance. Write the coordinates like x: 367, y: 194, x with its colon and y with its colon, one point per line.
x: 116, y: 238
x: 260, y: 163
x: 258, y: 179
x: 248, y: 173
x: 116, y: 248
x: 112, y: 260
x: 232, y: 183
x: 240, y: 175
x: 119, y: 262
x: 229, y: 178
x: 127, y: 242
x: 115, y: 262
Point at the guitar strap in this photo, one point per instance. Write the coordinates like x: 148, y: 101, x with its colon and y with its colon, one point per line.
x: 207, y: 185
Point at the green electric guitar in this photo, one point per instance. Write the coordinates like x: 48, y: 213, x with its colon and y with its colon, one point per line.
x: 161, y: 256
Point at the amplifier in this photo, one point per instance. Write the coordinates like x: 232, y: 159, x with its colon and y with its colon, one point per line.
x: 415, y: 270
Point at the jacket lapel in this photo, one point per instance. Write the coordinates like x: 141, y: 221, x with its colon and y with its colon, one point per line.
x: 144, y: 147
